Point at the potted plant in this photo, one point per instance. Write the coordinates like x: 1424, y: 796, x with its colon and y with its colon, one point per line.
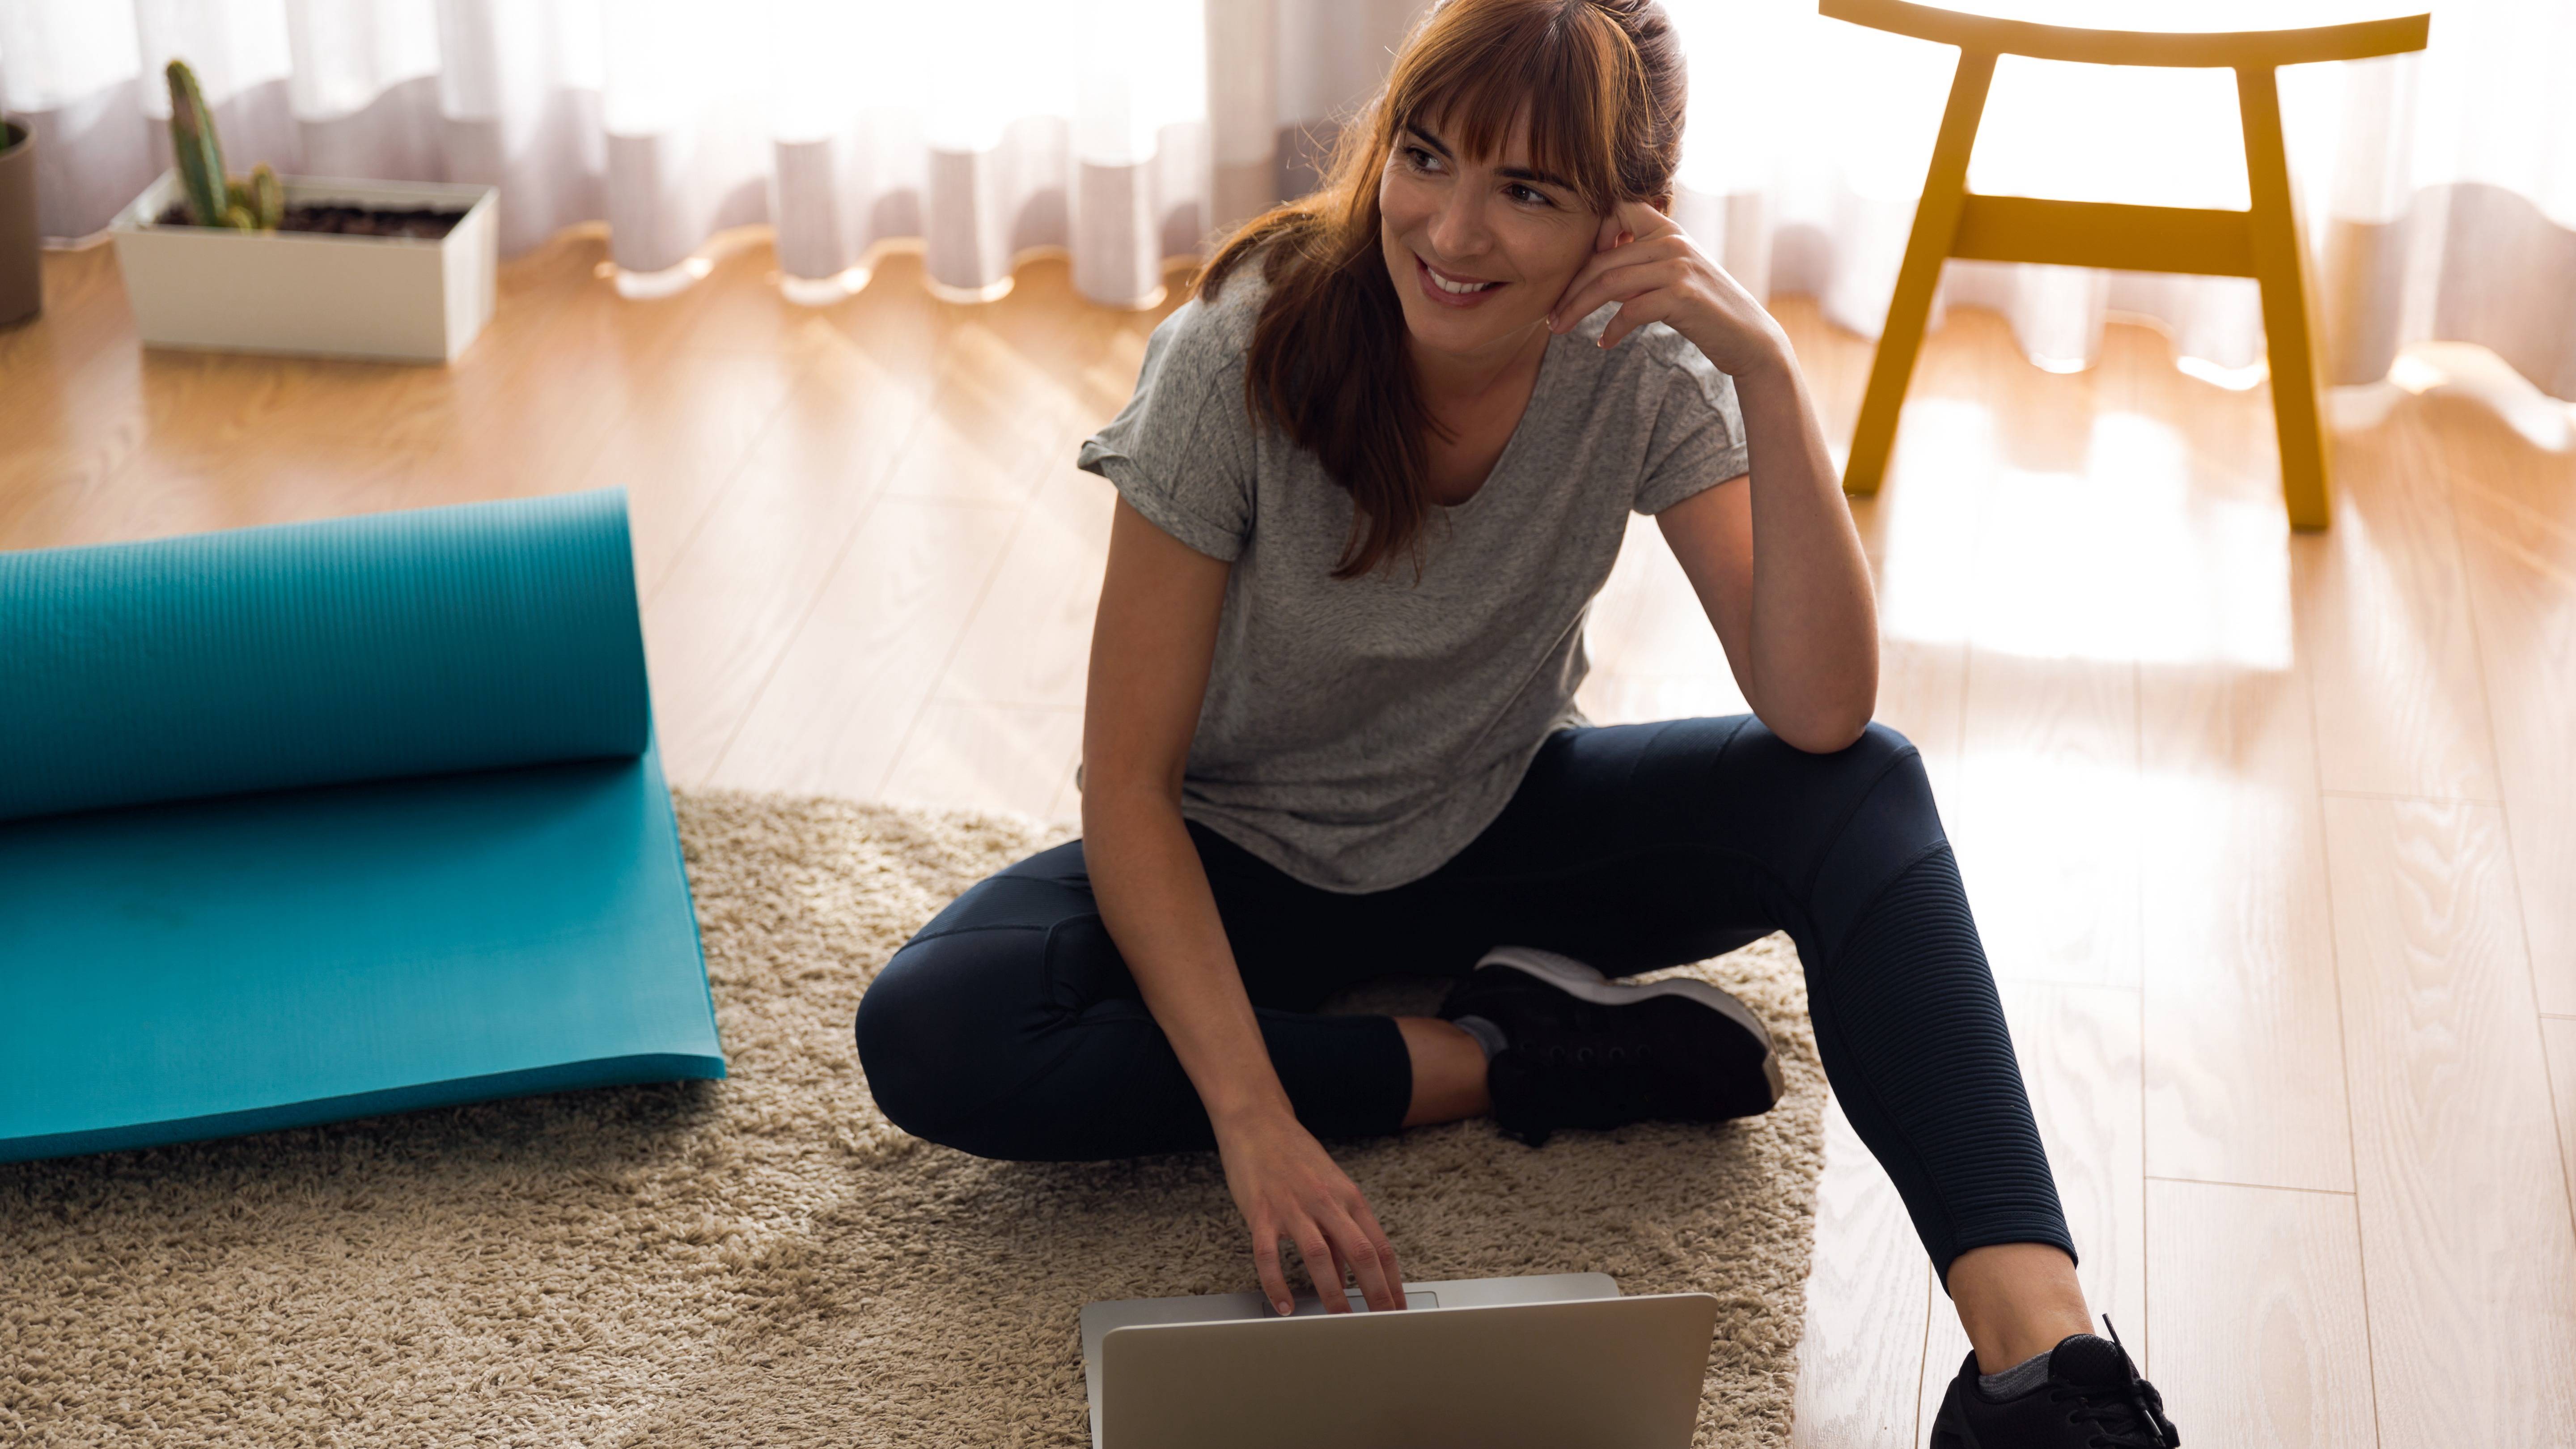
x: 266, y: 263
x: 22, y: 280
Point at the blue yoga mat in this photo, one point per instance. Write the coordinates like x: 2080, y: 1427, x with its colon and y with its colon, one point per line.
x: 332, y: 819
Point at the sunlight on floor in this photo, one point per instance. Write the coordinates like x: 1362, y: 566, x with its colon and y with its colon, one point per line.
x: 2140, y: 553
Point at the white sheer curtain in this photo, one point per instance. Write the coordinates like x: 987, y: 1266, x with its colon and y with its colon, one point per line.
x: 2440, y: 189
x: 985, y: 131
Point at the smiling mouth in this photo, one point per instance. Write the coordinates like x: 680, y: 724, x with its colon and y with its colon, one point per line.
x: 1454, y: 286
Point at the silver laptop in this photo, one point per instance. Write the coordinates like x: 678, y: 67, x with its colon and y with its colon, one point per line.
x: 1494, y: 1363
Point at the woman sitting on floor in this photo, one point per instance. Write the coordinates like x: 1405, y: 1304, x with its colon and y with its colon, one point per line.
x: 1370, y: 481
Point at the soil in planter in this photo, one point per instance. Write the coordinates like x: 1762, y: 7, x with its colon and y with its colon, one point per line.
x: 421, y: 223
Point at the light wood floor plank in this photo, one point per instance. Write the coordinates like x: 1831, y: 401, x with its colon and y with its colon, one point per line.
x: 1922, y: 529
x: 745, y: 581
x: 2558, y: 1037
x: 1030, y: 640
x: 2256, y: 1299
x: 961, y: 452
x: 2518, y: 536
x: 2243, y: 1034
x: 2384, y: 626
x: 2046, y: 814
x: 1922, y: 694
x: 1613, y: 619
x: 1014, y: 758
x: 83, y: 314
x: 1668, y: 633
x: 1625, y: 698
x: 2244, y: 1065
x: 2047, y: 817
x: 1862, y: 1355
x: 2468, y: 1251
x: 685, y: 439
x: 187, y: 488
x: 835, y: 713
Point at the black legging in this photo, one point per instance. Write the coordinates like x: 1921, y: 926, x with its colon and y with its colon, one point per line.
x: 1010, y: 1027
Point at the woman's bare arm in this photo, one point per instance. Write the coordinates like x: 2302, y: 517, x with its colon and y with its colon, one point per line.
x: 1796, y: 613
x: 1777, y: 565
x: 1151, y: 648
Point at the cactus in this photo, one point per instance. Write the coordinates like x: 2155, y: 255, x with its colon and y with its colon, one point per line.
x: 262, y: 199
x: 214, y: 198
x: 268, y: 197
x: 201, y: 156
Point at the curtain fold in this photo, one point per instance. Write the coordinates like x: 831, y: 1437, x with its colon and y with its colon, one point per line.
x: 2439, y: 190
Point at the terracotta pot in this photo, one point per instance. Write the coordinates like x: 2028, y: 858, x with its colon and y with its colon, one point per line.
x: 22, y: 281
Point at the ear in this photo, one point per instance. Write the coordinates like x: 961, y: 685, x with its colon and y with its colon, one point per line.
x: 1606, y: 235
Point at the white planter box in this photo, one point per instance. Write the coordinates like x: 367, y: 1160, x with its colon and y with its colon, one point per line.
x: 312, y: 292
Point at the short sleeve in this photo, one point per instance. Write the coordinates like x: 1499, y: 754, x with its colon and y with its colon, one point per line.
x: 1182, y: 451
x: 1698, y: 436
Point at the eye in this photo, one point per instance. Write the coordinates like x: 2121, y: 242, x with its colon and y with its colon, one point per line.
x: 1420, y: 159
x: 1529, y: 195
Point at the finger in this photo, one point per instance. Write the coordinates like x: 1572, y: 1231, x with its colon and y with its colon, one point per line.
x: 1274, y: 1277
x: 1622, y: 284
x: 1653, y: 307
x: 1611, y: 239
x: 1359, y: 1251
x: 1385, y: 1249
x: 1582, y: 295
x: 1322, y: 1268
x: 1642, y: 218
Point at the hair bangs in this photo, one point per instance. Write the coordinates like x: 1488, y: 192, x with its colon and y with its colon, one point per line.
x: 1560, y: 67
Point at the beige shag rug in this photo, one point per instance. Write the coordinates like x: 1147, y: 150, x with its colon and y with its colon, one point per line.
x: 765, y: 1261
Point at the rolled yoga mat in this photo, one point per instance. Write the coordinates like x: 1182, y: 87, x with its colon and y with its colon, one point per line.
x: 331, y: 819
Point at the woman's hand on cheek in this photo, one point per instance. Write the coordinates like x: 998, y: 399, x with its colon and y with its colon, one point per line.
x: 1656, y: 273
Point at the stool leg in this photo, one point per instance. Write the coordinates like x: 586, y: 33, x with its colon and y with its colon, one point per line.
x: 1936, y: 222
x: 2289, y: 304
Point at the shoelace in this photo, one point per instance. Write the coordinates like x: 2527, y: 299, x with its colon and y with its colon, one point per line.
x: 2136, y: 1420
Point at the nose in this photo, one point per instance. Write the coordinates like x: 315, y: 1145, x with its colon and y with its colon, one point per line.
x: 1457, y: 229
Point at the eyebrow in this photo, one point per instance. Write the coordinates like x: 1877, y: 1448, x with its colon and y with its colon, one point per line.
x: 1510, y: 173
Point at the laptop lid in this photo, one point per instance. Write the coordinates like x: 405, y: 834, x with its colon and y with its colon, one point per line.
x: 1610, y: 1373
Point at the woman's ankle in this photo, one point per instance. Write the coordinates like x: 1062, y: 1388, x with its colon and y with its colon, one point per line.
x: 2016, y: 1300
x: 1448, y: 1072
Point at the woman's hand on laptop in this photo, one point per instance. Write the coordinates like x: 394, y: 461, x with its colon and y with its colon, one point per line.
x: 1290, y: 1188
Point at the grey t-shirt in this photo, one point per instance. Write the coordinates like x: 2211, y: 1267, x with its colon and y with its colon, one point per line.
x: 1357, y: 733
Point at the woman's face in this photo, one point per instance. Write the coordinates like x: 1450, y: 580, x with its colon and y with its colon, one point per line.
x: 1479, y: 248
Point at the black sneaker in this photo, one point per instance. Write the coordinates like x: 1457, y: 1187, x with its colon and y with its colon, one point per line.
x: 1581, y: 1050
x: 2093, y: 1399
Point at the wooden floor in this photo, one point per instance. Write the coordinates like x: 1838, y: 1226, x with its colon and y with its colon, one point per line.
x: 2273, y: 838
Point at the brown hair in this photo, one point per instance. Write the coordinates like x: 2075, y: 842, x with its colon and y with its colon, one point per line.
x: 1602, y: 82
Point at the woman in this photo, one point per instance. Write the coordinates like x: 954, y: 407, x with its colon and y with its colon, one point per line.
x: 1370, y: 480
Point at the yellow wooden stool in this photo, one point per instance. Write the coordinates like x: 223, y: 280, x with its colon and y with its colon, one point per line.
x: 2262, y: 243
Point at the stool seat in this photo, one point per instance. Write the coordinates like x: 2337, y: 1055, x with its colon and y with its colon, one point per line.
x: 2090, y: 45
x: 2262, y: 242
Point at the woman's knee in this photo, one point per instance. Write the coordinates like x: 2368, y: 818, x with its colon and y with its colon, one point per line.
x: 1827, y: 792
x: 1882, y: 766
x: 1880, y: 749
x: 1883, y: 823
x: 935, y: 1028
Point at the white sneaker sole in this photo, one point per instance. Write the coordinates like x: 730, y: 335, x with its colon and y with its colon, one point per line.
x: 1577, y: 979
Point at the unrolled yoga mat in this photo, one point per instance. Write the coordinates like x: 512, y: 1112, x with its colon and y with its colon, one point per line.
x: 331, y: 819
